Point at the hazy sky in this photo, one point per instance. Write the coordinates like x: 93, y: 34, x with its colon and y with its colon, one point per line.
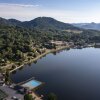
x: 69, y: 11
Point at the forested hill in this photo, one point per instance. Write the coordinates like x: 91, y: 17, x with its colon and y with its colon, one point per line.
x: 20, y: 39
x: 42, y: 29
x: 40, y: 22
x: 10, y: 22
x: 47, y: 22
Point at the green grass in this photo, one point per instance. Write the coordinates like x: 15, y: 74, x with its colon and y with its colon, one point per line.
x: 2, y: 95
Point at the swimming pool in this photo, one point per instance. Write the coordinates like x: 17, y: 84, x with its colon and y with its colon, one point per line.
x: 31, y: 84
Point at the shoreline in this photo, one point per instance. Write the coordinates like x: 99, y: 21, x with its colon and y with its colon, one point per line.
x: 35, y: 59
x: 38, y: 57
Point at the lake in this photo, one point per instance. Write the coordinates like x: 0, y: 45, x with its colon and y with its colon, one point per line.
x: 71, y: 74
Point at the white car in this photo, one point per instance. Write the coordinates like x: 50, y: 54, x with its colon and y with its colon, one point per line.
x: 14, y: 97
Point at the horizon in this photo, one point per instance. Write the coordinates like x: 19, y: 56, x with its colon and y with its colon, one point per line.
x: 67, y: 11
x: 50, y: 17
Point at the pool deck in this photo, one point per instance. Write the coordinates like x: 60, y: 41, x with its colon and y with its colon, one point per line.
x: 22, y: 84
x: 29, y: 80
x: 31, y: 84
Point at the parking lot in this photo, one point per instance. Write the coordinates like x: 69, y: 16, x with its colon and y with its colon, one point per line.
x: 2, y: 95
x: 11, y: 93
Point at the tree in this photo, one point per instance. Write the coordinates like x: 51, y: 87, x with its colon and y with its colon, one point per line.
x: 28, y: 97
x: 7, y: 79
x: 51, y: 96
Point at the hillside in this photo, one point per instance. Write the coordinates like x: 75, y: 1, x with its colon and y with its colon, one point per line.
x: 40, y: 22
x: 93, y: 26
x: 21, y: 40
x: 9, y: 22
x: 47, y: 22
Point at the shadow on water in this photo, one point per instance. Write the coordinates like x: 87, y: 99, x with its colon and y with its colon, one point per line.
x: 35, y: 62
x: 14, y: 72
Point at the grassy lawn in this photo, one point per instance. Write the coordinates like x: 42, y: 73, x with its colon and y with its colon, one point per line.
x: 2, y: 95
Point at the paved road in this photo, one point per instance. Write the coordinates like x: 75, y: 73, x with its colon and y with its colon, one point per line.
x: 10, y: 92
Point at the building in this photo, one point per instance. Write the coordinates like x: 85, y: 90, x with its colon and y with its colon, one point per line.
x: 58, y: 43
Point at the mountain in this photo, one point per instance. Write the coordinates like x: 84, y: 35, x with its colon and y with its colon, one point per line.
x: 14, y: 22
x: 40, y: 22
x: 47, y: 22
x: 4, y: 21
x: 46, y: 28
x: 9, y: 22
x: 94, y: 26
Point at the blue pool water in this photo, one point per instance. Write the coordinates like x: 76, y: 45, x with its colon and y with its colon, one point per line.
x: 32, y: 84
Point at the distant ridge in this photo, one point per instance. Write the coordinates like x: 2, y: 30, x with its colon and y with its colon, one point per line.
x: 94, y: 26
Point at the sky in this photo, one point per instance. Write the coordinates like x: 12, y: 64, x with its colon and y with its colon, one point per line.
x: 68, y: 11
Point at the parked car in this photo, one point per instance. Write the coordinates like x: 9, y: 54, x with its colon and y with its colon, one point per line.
x: 14, y: 98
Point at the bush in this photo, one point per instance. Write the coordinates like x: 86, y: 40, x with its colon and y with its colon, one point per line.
x: 51, y: 96
x: 28, y: 97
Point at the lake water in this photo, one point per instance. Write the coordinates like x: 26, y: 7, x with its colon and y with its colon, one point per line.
x: 70, y: 74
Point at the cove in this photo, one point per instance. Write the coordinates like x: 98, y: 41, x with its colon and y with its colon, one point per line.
x: 71, y: 74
